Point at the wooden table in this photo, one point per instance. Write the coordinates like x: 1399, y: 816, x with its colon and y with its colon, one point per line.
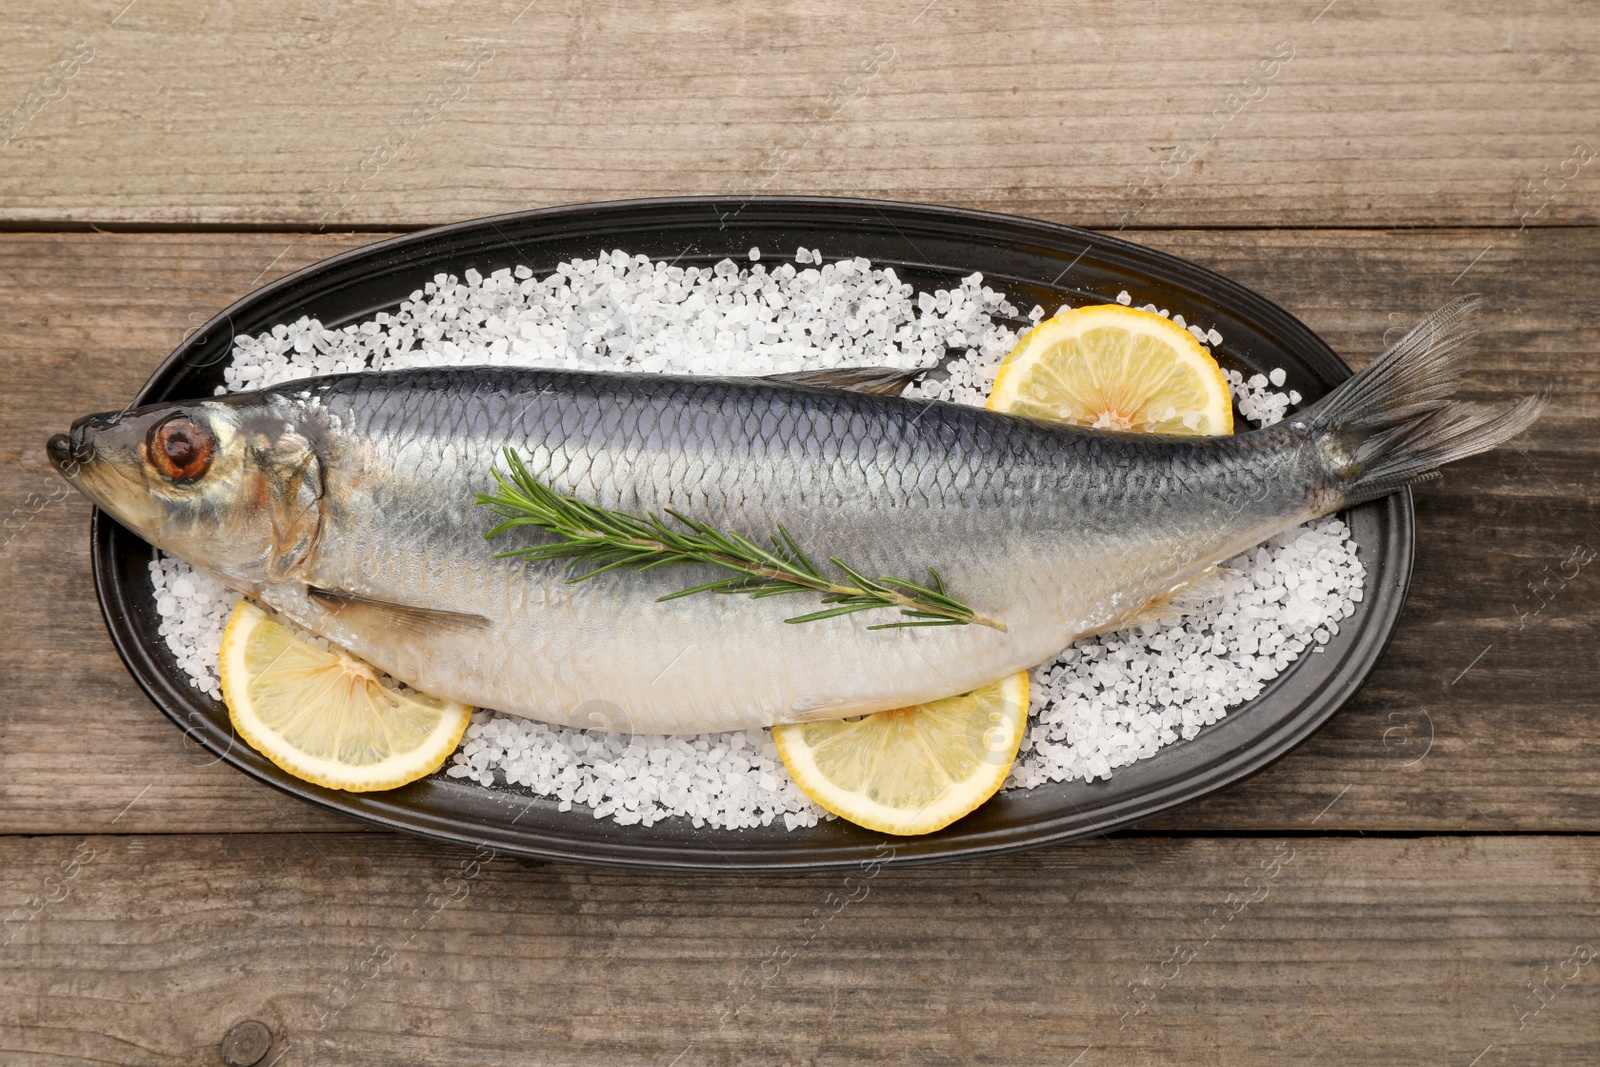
x: 1436, y: 896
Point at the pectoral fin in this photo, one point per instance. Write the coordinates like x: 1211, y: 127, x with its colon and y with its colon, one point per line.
x: 884, y: 381
x: 404, y: 620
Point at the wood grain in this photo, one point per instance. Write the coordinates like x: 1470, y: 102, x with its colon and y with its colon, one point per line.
x: 1359, y: 163
x: 371, y: 949
x: 1150, y: 114
x: 1427, y: 745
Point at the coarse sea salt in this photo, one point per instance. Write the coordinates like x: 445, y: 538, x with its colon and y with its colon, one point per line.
x: 1102, y: 704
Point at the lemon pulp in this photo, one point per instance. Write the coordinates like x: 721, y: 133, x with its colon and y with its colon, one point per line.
x: 1115, y: 368
x: 912, y: 770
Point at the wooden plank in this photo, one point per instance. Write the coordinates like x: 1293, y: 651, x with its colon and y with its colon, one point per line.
x: 360, y: 949
x: 1244, y: 112
x: 1429, y: 744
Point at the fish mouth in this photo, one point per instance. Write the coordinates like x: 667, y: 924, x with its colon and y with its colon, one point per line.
x: 70, y: 452
x: 93, y: 454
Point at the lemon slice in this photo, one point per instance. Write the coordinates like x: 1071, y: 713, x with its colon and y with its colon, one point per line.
x: 912, y: 770
x: 323, y: 715
x: 1115, y: 368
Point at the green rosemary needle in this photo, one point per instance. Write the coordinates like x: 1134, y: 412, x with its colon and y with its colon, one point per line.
x: 605, y: 540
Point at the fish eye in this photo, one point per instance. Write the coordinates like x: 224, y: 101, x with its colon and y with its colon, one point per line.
x: 180, y: 449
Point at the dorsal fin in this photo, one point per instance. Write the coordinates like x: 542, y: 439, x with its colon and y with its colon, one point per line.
x: 883, y: 381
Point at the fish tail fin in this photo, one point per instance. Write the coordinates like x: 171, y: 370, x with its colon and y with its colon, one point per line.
x: 1397, y: 421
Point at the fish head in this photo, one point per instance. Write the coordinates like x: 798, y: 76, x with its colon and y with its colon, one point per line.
x: 233, y: 488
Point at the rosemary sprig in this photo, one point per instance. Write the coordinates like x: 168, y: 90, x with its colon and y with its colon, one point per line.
x: 606, y: 540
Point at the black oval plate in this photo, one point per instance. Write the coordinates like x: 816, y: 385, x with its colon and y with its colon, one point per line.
x: 1034, y: 262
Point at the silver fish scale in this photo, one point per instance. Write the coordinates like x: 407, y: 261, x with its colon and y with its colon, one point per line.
x: 1052, y: 530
